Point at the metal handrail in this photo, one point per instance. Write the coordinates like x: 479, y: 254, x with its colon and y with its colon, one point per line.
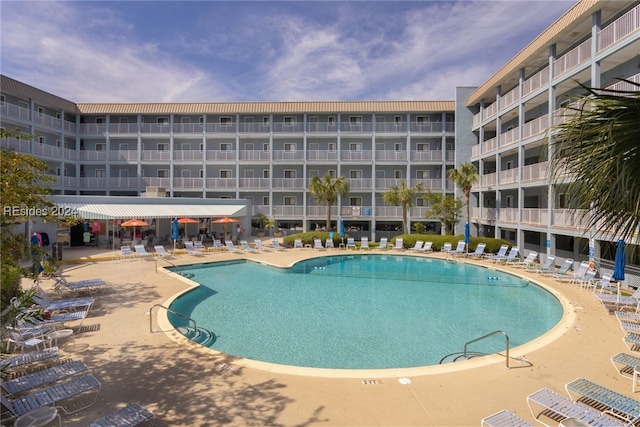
x: 487, y: 336
x: 190, y: 320
x: 164, y: 259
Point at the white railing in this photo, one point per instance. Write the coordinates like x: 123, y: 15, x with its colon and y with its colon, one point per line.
x: 509, y: 98
x: 356, y: 155
x: 221, y: 183
x: 188, y: 128
x: 322, y: 127
x: 509, y: 176
x: 156, y: 182
x: 228, y: 155
x: 46, y: 150
x: 224, y: 128
x: 123, y: 182
x: 321, y: 211
x: 509, y: 137
x: 535, y: 126
x: 426, y: 127
x: 261, y: 183
x: 188, y: 182
x: 483, y: 214
x: 385, y: 183
x: 321, y: 155
x: 115, y: 128
x: 535, y: 216
x: 477, y: 119
x: 288, y: 210
x: 573, y: 58
x: 389, y: 211
x: 488, y: 179
x: 69, y: 127
x: 535, y: 172
x: 508, y: 215
x: 620, y: 28
x: 538, y: 80
x: 69, y: 154
x: 92, y: 155
x: 428, y: 184
x: 288, y: 127
x: 93, y: 128
x: 570, y: 218
x: 490, y: 111
x: 20, y: 145
x: 388, y: 127
x: 359, y: 127
x: 154, y: 155
x: 155, y: 128
x: 390, y: 155
x: 282, y: 183
x: 46, y: 120
x: 360, y: 183
x: 426, y: 155
x: 254, y: 155
x: 189, y: 155
x: 625, y: 86
x: 93, y: 182
x: 287, y: 155
x: 476, y: 150
x: 124, y: 155
x: 15, y: 112
x: 489, y: 145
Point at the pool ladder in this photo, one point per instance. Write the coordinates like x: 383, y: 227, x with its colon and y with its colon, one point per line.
x: 191, y: 331
x: 466, y: 355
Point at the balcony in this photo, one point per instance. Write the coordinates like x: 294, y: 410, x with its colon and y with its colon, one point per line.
x: 362, y: 127
x: 88, y: 129
x: 508, y: 215
x: 435, y: 185
x: 535, y: 172
x: 620, y: 28
x: 576, y: 219
x: 535, y: 127
x: 288, y: 155
x: 188, y: 183
x: 156, y: 182
x: 509, y: 176
x: 322, y: 127
x: 255, y: 183
x: 292, y: 211
x: 390, y: 155
x: 123, y: 128
x: 483, y: 215
x: 488, y: 180
x: 509, y: 137
x: 289, y: 183
x: 155, y: 128
x: 286, y: 127
x: 356, y: 184
x: 536, y: 217
x: 356, y: 155
x: 155, y: 155
x: 226, y: 155
x: 47, y: 150
x: 92, y: 155
x: 538, y: 80
x: 188, y: 155
x: 254, y: 155
x: 322, y: 155
x: 123, y: 155
x: 426, y: 155
x: 573, y: 58
x: 19, y: 145
x: 15, y: 112
x: 320, y: 211
x: 221, y: 183
x: 392, y: 127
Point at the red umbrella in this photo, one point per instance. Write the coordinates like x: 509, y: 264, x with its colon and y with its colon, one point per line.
x: 187, y: 221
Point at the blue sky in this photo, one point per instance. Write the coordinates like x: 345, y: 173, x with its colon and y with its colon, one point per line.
x: 210, y: 51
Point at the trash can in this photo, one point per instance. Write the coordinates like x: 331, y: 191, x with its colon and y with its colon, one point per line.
x: 56, y: 252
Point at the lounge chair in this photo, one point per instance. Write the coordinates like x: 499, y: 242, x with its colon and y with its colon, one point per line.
x: 547, y: 265
x: 566, y: 266
x: 276, y: 245
x: 629, y: 316
x: 46, y: 376
x: 351, y: 243
x: 383, y: 243
x: 260, y: 246
x: 399, y: 245
x: 199, y: 246
x: 191, y: 250
x: 418, y: 246
x: 576, y: 275
x: 246, y: 247
x: 17, y: 362
x: 625, y: 364
x: 231, y: 247
x: 623, y: 406
x: 504, y: 418
x: 141, y: 251
x: 42, y: 299
x: 329, y: 243
x: 460, y: 249
x: 129, y: 416
x: 479, y: 252
x: 297, y: 244
x: 511, y: 256
x: 529, y: 260
x: 217, y: 245
x: 89, y: 285
x: 162, y: 252
x: 501, y: 252
x: 618, y: 299
x: 126, y: 252
x: 446, y: 247
x: 604, y: 284
x: 426, y: 247
x: 30, y: 341
x: 557, y: 406
x: 364, y: 243
x: 586, y: 279
x: 317, y: 244
x: 54, y: 395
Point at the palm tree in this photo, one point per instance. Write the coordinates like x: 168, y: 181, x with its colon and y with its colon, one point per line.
x: 597, y: 151
x: 327, y: 190
x: 465, y: 177
x: 402, y: 196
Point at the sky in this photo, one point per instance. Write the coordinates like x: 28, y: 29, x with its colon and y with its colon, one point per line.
x: 222, y: 51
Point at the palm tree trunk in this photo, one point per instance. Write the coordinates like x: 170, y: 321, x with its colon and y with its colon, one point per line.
x: 328, y: 215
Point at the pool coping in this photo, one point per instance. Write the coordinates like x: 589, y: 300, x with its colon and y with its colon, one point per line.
x: 516, y: 354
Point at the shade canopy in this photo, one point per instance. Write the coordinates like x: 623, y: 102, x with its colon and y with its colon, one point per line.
x: 134, y: 223
x: 187, y: 221
x: 224, y: 220
x: 620, y: 261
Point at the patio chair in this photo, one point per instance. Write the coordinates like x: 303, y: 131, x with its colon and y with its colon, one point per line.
x: 20, y: 361
x: 501, y: 252
x: 89, y: 285
x: 43, y: 300
x: 566, y: 265
x: 317, y: 244
x: 512, y: 255
x: 479, y: 252
x: 383, y: 243
x: 504, y: 418
x: 46, y: 376
x: 260, y: 246
x: 329, y: 243
x: 530, y: 259
x: 418, y: 246
x: 191, y: 250
x: 460, y: 249
x: 351, y: 243
x: 231, y: 247
x: 199, y: 246
x: 297, y: 244
x: 126, y: 252
x: 399, y: 245
x: 246, y: 247
x: 604, y: 284
x: 625, y: 364
x: 618, y: 299
x: 625, y: 407
x: 364, y: 243
x: 129, y: 416
x: 587, y: 278
x: 19, y: 341
x: 162, y: 252
x: 570, y: 277
x: 141, y: 251
x: 276, y: 245
x: 446, y: 247
x: 56, y: 394
x: 426, y: 247
x: 547, y: 265
x: 217, y: 245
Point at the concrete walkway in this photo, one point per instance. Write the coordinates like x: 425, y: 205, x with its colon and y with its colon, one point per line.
x: 187, y: 385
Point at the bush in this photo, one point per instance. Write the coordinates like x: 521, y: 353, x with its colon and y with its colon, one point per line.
x: 308, y: 237
x: 409, y: 241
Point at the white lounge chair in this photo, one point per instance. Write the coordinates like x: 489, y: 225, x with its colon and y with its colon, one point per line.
x: 479, y: 252
x: 42, y: 299
x: 512, y: 255
x: 504, y: 418
x: 501, y: 252
x: 129, y: 416
x: 191, y: 250
x: 418, y: 246
x: 364, y: 243
x: 276, y: 245
x: 618, y: 299
x: 383, y: 243
x: 141, y: 251
x: 399, y: 245
x: 162, y: 252
x: 351, y: 243
x: 231, y: 247
x: 217, y: 245
x: 329, y: 243
x: 460, y: 249
x: 126, y: 252
x: 566, y: 265
x: 199, y: 246
x: 613, y: 402
x: 41, y: 378
x: 604, y: 284
x: 260, y: 246
x: 446, y: 247
x: 529, y: 260
x: 297, y: 244
x: 570, y: 277
x: 20, y: 361
x: 317, y: 244
x: 246, y: 247
x: 547, y: 265
x: 89, y: 285
x: 625, y: 364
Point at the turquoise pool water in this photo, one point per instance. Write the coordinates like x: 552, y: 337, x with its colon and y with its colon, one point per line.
x: 362, y: 311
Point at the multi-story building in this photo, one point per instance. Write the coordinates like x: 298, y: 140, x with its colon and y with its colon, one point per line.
x: 267, y: 152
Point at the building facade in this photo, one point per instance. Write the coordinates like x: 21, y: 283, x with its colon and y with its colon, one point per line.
x: 267, y: 152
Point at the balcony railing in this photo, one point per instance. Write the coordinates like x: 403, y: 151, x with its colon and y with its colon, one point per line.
x: 154, y: 155
x: 509, y: 98
x: 573, y: 58
x: 625, y: 86
x: 184, y: 182
x: 125, y: 128
x: 428, y: 184
x: 347, y: 155
x: 535, y: 172
x: 390, y: 155
x: 360, y: 183
x: 620, y: 28
x: 322, y: 155
x: 47, y: 150
x: 426, y: 155
x: 538, y: 217
x: 509, y: 215
x: 255, y: 155
x: 535, y: 126
x: 571, y: 218
x: 15, y: 112
x: 188, y: 155
x: 484, y: 214
x: 226, y: 183
x: 155, y: 128
x: 156, y: 182
x: 255, y: 183
x: 20, y: 145
x: 123, y: 155
x: 279, y: 127
x: 321, y: 211
x: 509, y: 137
x: 229, y: 155
x: 363, y: 127
x: 488, y: 180
x: 288, y: 155
x: 509, y: 176
x: 288, y: 183
x: 538, y: 80
x: 93, y: 128
x: 288, y: 211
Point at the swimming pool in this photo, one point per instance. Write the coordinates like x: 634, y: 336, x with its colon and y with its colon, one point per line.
x: 362, y: 311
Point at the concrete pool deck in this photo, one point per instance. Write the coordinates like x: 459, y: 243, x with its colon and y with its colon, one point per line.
x: 187, y: 385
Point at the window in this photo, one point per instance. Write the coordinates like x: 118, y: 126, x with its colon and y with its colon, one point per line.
x: 563, y: 201
x: 397, y: 174
x: 331, y: 120
x: 123, y: 173
x: 355, y: 120
x: 123, y: 146
x: 290, y: 121
x: 397, y: 120
x: 422, y: 174
x: 265, y: 121
x: 355, y: 201
x: 397, y: 146
x: 265, y: 200
x: 186, y: 173
x: 225, y: 121
x: 163, y: 147
x: 40, y: 111
x: 332, y: 147
x: 509, y: 164
x: 289, y: 146
x: 332, y: 173
x: 225, y: 173
x: 57, y: 143
x: 290, y: 200
x: 101, y: 173
x: 355, y: 174
x: 290, y: 173
x: 422, y: 120
x: 100, y: 120
x: 355, y: 146
x: 265, y: 147
x: 41, y: 140
x: 201, y: 146
x: 201, y: 121
x: 509, y: 201
x: 201, y: 173
x: 2, y: 100
x: 420, y: 201
x: 163, y: 121
x: 185, y: 120
x: 225, y: 146
x: 162, y: 173
x: 423, y: 147
x: 265, y: 173
x: 100, y: 147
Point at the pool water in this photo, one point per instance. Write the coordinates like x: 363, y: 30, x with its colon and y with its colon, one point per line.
x: 362, y: 311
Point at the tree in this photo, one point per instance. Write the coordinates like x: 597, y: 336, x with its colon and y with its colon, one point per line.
x: 327, y: 190
x: 23, y: 186
x: 447, y: 209
x: 597, y: 151
x: 402, y: 196
x: 465, y: 177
